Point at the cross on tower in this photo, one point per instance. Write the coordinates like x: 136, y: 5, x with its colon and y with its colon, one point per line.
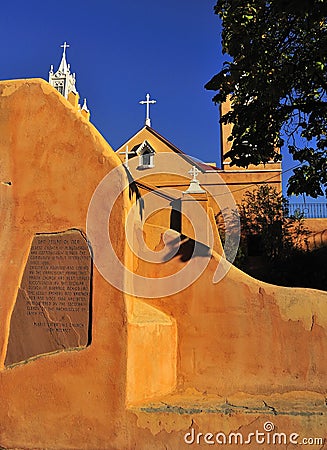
x: 147, y: 102
x: 194, y: 187
x: 64, y: 46
x: 194, y: 172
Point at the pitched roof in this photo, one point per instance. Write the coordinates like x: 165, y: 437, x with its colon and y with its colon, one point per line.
x: 200, y: 165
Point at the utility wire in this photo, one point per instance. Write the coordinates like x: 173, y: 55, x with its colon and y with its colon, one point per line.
x: 261, y: 182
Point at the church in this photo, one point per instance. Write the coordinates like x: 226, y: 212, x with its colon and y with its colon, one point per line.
x: 143, y: 147
x: 122, y: 324
x: 147, y: 155
x: 140, y: 153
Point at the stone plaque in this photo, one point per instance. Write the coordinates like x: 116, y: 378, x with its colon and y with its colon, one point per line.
x: 53, y: 304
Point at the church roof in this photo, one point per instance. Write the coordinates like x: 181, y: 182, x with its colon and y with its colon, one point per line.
x: 200, y: 165
x: 194, y: 162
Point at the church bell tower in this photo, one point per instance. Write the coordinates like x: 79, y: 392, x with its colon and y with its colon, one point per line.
x: 63, y: 80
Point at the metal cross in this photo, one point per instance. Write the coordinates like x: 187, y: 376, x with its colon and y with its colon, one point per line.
x: 64, y: 46
x: 147, y: 102
x: 126, y: 153
x: 194, y: 172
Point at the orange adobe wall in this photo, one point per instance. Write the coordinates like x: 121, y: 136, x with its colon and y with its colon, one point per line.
x: 214, y: 358
x: 54, y: 160
x: 267, y: 339
x: 247, y: 352
x: 318, y: 233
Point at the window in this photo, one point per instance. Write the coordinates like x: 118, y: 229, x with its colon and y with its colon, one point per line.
x: 146, y: 159
x: 146, y: 156
x: 60, y: 86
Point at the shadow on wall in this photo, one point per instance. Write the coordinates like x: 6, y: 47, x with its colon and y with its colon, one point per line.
x: 190, y: 248
x: 134, y: 190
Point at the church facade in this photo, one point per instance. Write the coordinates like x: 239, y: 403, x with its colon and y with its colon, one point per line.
x: 143, y: 148
x: 142, y: 158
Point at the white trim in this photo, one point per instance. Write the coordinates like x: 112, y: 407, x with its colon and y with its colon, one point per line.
x: 144, y: 166
x: 145, y: 145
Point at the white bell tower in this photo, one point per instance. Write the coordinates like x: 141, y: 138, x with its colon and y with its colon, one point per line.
x: 63, y: 80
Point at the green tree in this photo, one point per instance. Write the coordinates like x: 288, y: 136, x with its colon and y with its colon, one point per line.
x: 264, y: 213
x: 276, y: 78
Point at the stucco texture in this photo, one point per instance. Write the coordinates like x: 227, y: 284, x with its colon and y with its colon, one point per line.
x: 213, y: 357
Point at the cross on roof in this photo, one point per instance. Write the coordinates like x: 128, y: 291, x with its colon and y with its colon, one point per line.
x: 64, y: 46
x: 147, y: 102
x: 126, y: 153
x: 194, y: 172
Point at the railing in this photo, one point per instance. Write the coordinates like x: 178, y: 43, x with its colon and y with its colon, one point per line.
x: 309, y: 210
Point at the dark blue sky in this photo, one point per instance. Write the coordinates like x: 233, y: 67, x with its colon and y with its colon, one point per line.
x: 121, y: 50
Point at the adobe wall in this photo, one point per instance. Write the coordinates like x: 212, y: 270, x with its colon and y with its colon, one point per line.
x: 242, y: 334
x: 247, y: 352
x: 54, y: 160
x: 241, y: 181
x: 182, y: 361
x: 317, y: 236
x: 316, y: 225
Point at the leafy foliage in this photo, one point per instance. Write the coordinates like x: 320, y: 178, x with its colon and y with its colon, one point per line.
x: 276, y: 79
x: 264, y: 214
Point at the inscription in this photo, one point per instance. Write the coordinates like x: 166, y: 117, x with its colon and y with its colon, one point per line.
x: 54, y: 283
x: 53, y: 302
